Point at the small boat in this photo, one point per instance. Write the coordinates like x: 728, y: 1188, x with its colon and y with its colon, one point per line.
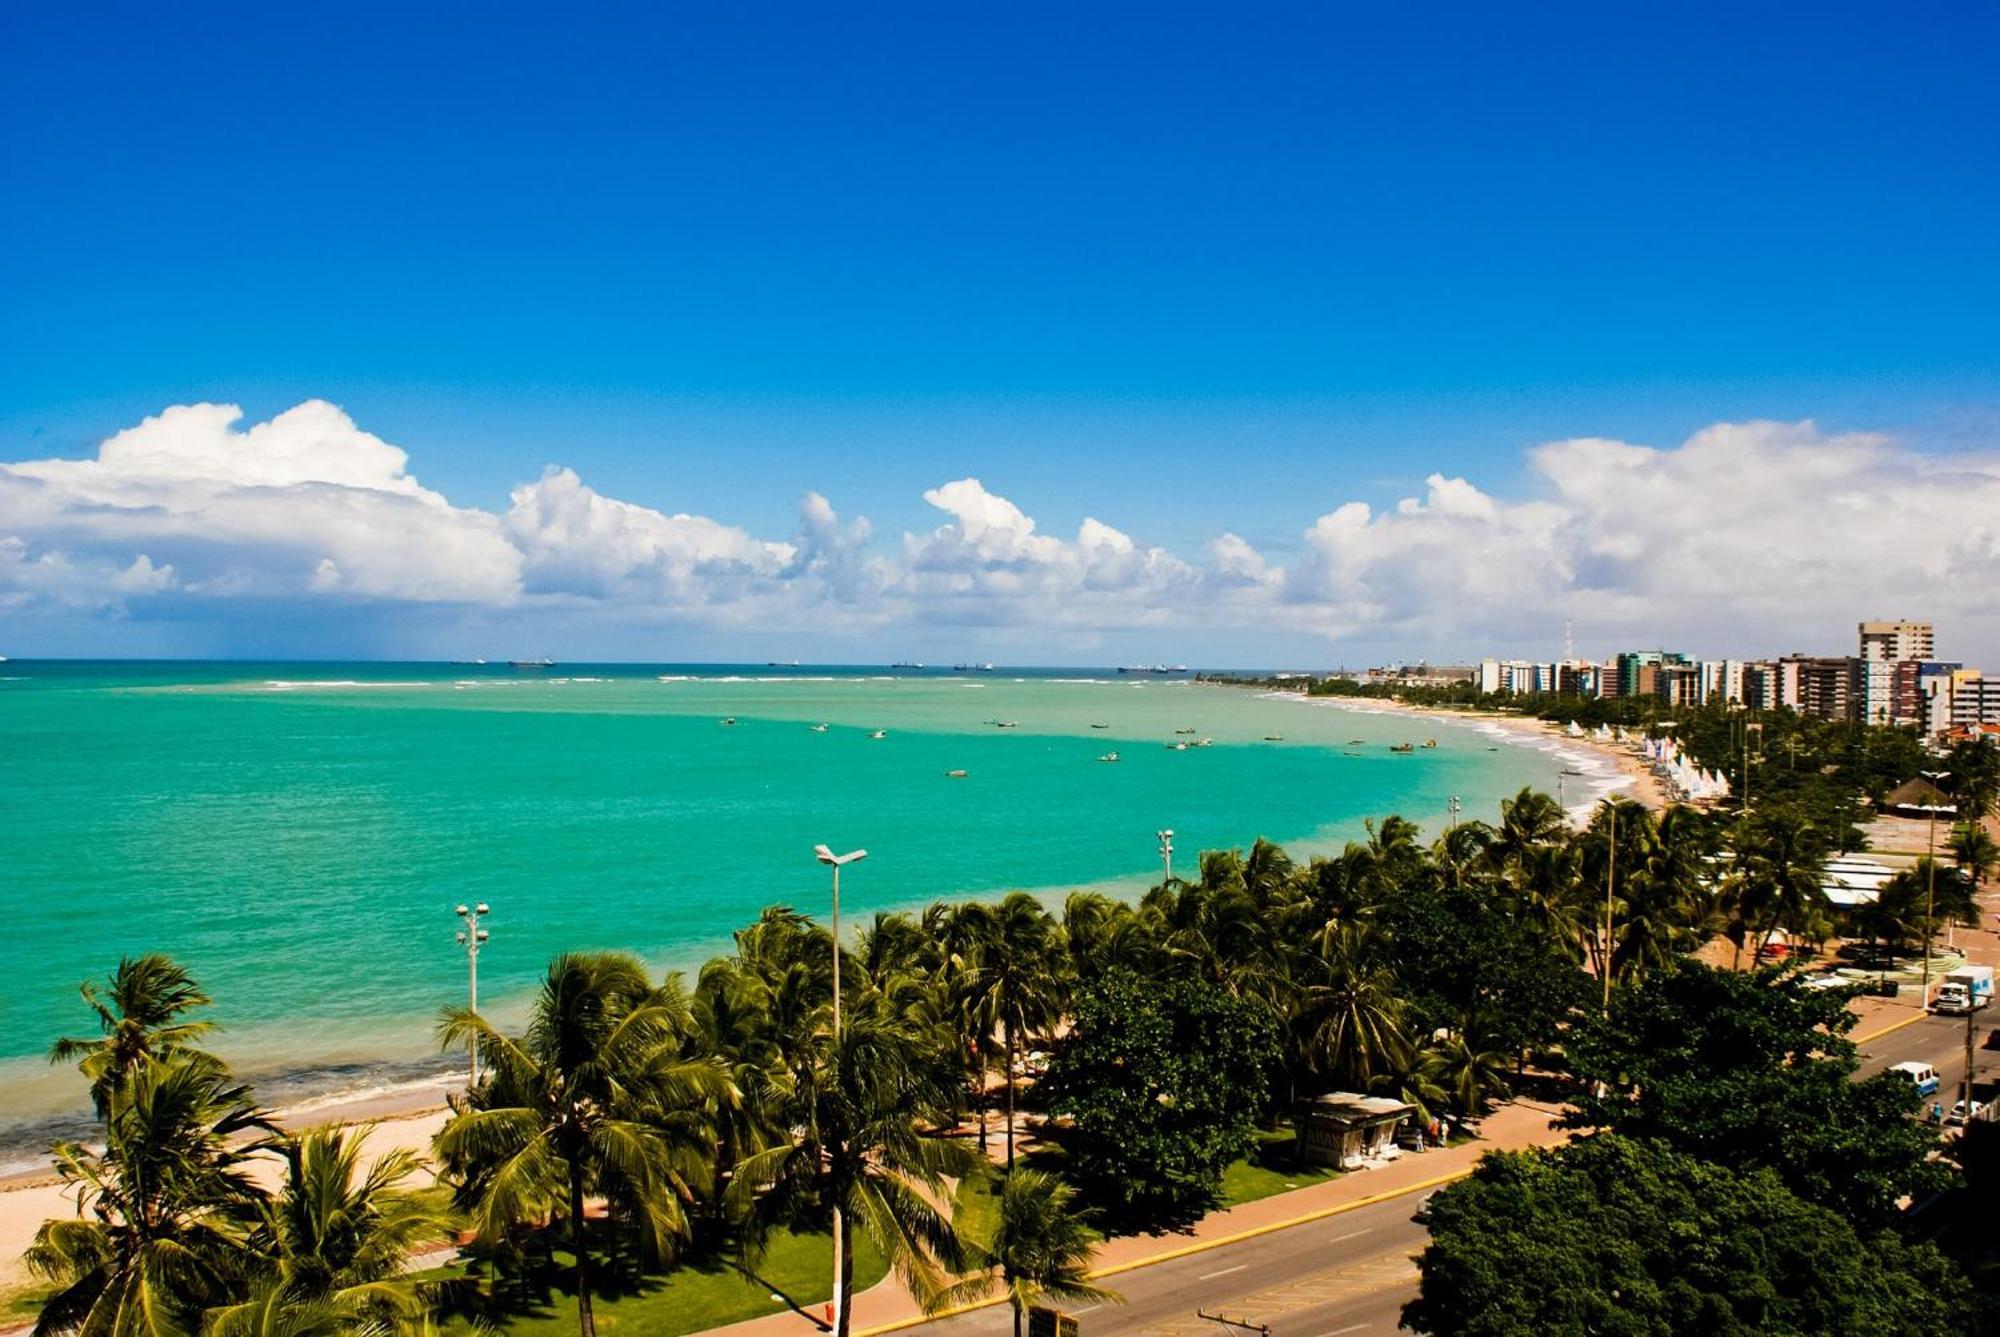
x: 1005, y: 724
x: 1100, y: 726
x: 729, y: 719
x: 1345, y: 753
x: 1183, y: 731
x: 1356, y: 742
x: 1179, y: 747
x: 1274, y: 738
x: 1402, y: 747
x: 1205, y: 742
x: 1109, y: 756
x: 879, y: 733
x: 954, y: 775
x: 1430, y: 742
x: 819, y: 728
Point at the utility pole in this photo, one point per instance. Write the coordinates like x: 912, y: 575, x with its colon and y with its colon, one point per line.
x: 470, y: 937
x: 1930, y: 882
x: 1610, y: 881
x: 1971, y: 1011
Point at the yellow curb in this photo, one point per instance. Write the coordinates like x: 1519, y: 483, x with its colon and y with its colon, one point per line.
x: 1889, y: 1030
x: 1200, y: 1246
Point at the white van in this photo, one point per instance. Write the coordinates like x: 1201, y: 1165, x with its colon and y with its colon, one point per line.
x: 1922, y: 1074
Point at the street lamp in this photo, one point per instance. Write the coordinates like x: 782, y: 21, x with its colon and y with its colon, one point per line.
x: 1930, y: 879
x: 1453, y: 822
x: 835, y: 862
x: 470, y: 937
x: 1166, y: 856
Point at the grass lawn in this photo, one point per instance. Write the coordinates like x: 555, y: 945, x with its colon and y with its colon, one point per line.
x: 975, y: 1208
x: 1270, y: 1168
x: 691, y: 1298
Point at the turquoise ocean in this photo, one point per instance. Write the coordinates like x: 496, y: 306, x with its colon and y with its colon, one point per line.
x: 298, y: 834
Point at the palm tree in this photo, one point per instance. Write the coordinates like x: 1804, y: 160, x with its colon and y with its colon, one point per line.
x: 159, y: 1233
x: 854, y: 1106
x: 1528, y: 821
x: 1781, y: 870
x: 1975, y: 852
x: 334, y: 1239
x: 1041, y: 1247
x: 1016, y: 985
x: 1411, y: 1076
x: 1470, y: 1074
x: 1348, y: 1020
x: 595, y: 1100
x: 139, y: 1015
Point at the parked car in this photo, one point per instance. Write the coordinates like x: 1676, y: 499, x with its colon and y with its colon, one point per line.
x: 1957, y: 1115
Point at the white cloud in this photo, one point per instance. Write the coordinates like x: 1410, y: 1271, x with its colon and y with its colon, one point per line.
x: 58, y: 578
x: 1755, y: 536
x: 270, y: 510
x: 1747, y: 537
x: 574, y: 540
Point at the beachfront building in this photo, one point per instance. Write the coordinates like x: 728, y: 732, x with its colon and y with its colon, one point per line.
x: 1896, y: 641
x: 1975, y: 699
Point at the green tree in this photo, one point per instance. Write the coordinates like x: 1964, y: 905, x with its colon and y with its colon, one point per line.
x: 1610, y: 1235
x: 1753, y: 1071
x: 139, y: 1015
x: 333, y: 1240
x: 1041, y: 1247
x: 592, y: 1101
x: 1164, y: 1079
x: 1016, y: 984
x: 159, y: 1234
x: 856, y: 1105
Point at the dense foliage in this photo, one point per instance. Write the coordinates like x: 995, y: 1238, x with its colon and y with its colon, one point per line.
x: 1611, y: 1235
x: 1754, y: 1071
x: 1163, y: 1080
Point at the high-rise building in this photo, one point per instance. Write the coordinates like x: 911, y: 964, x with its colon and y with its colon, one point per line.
x: 1975, y: 698
x: 1897, y: 640
x: 1829, y: 688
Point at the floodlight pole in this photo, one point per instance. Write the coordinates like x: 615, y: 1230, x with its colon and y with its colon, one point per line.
x: 834, y: 861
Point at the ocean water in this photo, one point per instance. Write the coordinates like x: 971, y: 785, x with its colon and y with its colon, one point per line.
x: 298, y: 834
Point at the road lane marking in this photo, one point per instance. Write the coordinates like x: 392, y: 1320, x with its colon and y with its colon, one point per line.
x: 1350, y: 1235
x: 1211, y: 1276
x: 1079, y: 1313
x: 1876, y: 1035
x: 1352, y: 1327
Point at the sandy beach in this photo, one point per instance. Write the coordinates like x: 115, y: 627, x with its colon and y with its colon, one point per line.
x: 1634, y: 779
x: 28, y: 1200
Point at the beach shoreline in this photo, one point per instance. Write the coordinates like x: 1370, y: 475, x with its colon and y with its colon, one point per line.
x: 1634, y: 778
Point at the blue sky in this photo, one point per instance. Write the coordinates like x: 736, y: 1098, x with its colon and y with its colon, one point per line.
x: 1188, y: 271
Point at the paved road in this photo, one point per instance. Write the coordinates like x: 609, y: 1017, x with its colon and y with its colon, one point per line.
x: 1345, y: 1274
x: 1940, y: 1042
x: 1349, y: 1275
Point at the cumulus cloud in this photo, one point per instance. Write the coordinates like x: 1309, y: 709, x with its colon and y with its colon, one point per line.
x: 304, y: 501
x: 1747, y: 536
x: 575, y: 540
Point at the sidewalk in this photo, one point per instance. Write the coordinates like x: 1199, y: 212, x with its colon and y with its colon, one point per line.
x: 887, y: 1306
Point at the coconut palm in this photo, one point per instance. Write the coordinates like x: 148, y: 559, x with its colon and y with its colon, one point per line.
x: 1017, y: 985
x: 334, y: 1238
x: 1411, y: 1076
x: 1780, y: 872
x: 595, y: 1100
x: 1528, y: 821
x: 1040, y: 1248
x: 854, y: 1107
x: 139, y: 1015
x: 1348, y: 1021
x: 1975, y: 852
x: 162, y: 1209
x: 1471, y: 1075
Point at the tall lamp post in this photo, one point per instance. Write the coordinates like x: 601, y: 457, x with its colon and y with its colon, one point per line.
x: 1930, y: 879
x: 1166, y: 856
x: 836, y: 862
x: 470, y: 937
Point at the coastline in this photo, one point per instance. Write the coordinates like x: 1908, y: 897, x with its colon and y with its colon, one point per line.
x: 1631, y: 775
